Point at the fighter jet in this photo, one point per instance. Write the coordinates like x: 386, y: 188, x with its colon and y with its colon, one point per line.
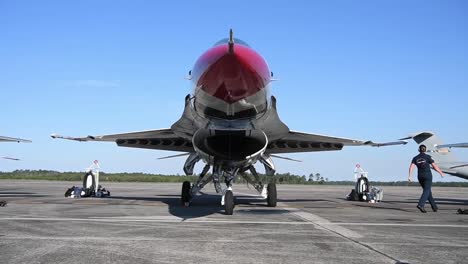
x: 9, y: 139
x: 442, y: 153
x: 230, y: 122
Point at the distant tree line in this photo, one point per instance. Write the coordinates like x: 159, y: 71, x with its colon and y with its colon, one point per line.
x: 280, y: 178
x: 103, y: 176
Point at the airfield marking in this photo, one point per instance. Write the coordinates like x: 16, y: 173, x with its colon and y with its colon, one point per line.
x: 322, y: 223
x: 317, y: 220
x: 150, y: 219
x: 87, y: 238
x: 174, y: 219
x: 337, y: 229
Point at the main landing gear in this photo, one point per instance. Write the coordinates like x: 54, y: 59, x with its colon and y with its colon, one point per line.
x: 223, y: 172
x: 271, y: 195
x: 228, y: 200
x: 186, y: 195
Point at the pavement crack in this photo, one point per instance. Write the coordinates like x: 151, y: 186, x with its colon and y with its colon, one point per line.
x: 338, y: 230
x: 369, y: 247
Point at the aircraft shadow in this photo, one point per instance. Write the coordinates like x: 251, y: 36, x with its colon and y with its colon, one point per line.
x: 10, y: 194
x: 442, y: 201
x: 204, y: 204
x: 305, y: 200
x: 201, y: 206
x: 371, y: 206
x: 451, y: 201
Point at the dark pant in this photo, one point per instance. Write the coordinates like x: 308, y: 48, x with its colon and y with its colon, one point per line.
x: 426, y: 183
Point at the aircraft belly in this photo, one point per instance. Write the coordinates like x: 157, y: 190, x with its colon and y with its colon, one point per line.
x: 231, y: 148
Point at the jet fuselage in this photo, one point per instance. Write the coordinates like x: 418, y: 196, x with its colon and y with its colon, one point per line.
x: 231, y: 101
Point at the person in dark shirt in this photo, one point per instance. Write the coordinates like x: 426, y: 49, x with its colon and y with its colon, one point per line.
x: 424, y: 163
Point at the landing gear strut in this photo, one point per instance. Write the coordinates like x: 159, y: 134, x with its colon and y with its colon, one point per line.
x: 228, y: 171
x: 228, y: 197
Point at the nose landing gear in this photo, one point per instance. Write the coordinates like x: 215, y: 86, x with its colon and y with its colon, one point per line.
x: 228, y: 199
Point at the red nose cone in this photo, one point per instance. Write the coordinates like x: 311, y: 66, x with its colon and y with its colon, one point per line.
x: 231, y: 76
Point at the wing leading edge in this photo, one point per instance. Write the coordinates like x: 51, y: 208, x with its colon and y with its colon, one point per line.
x: 303, y: 142
x: 162, y: 139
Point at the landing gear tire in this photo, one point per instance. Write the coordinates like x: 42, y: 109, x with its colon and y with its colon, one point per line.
x: 271, y: 195
x: 89, y: 184
x: 185, y: 196
x: 229, y: 202
x: 362, y: 188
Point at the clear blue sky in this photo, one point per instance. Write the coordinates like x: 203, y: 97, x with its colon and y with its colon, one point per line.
x: 361, y: 69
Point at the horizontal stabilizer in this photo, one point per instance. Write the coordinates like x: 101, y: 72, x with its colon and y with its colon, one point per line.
x: 419, y: 137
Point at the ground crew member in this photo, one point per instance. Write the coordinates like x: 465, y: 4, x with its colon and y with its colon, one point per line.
x: 424, y: 163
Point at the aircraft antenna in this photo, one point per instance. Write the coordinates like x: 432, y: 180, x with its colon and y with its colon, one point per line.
x: 231, y: 41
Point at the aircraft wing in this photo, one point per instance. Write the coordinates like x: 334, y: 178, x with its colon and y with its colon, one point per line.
x: 459, y: 166
x: 304, y: 142
x: 456, y: 145
x: 9, y: 139
x: 10, y: 158
x: 162, y: 139
x: 459, y: 169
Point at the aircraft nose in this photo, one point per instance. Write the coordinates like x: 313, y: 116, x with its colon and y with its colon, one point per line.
x: 232, y: 75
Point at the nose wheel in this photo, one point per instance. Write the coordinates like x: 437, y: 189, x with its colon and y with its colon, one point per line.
x: 229, y: 202
x: 186, y: 196
x: 271, y: 195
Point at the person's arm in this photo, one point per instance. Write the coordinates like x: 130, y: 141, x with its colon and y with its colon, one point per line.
x: 436, y: 168
x: 411, y: 167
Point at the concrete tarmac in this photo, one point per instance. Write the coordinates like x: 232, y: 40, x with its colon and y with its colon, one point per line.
x: 145, y: 223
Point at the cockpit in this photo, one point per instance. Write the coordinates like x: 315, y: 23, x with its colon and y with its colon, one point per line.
x: 236, y: 41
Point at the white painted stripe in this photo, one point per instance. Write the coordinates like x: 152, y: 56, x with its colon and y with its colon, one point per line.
x: 397, y: 224
x: 324, y: 225
x: 149, y: 218
x: 117, y: 220
x: 126, y: 238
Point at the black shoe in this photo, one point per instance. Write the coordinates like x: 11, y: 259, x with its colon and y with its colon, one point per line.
x: 421, y: 209
x: 435, y: 209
